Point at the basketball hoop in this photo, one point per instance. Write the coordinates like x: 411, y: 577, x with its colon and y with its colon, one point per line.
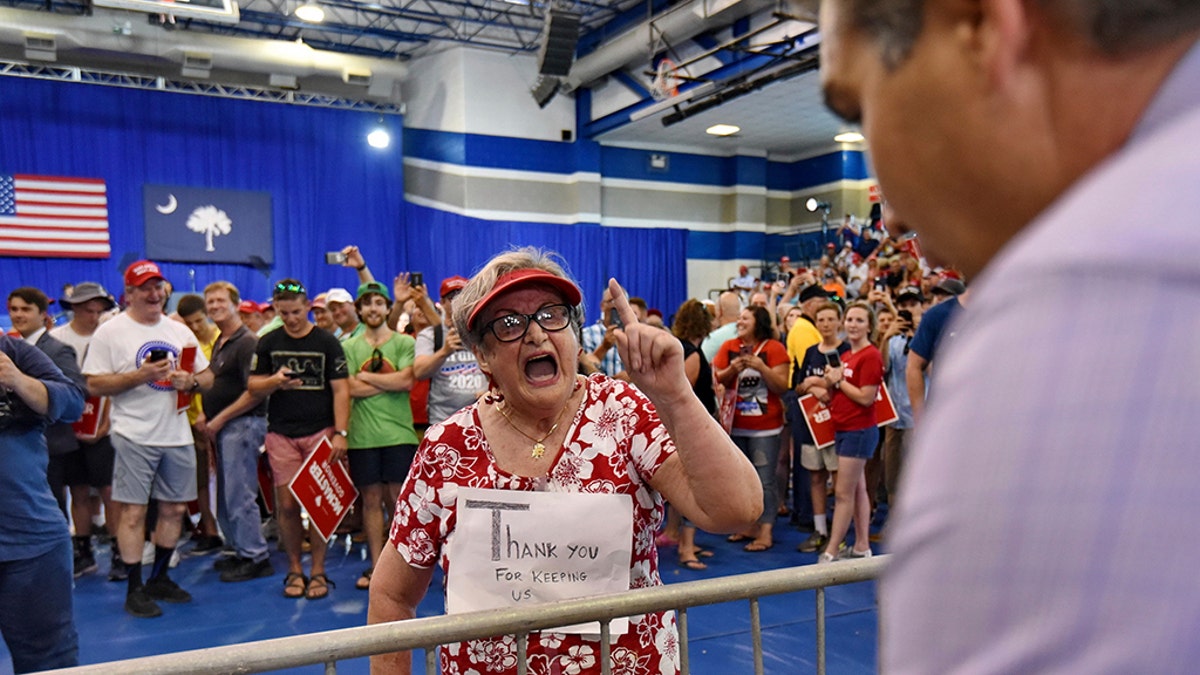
x: 665, y: 84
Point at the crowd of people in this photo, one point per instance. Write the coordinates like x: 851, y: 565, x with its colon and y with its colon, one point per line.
x: 173, y: 399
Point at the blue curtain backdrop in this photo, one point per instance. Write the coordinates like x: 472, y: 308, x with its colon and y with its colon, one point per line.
x: 328, y: 187
x: 650, y: 263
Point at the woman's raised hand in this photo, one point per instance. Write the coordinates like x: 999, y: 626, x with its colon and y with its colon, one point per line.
x: 652, y: 356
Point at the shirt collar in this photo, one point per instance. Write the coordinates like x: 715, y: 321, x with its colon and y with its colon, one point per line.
x: 1179, y: 94
x: 35, y: 336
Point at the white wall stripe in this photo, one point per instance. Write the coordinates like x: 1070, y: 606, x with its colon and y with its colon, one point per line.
x: 503, y: 174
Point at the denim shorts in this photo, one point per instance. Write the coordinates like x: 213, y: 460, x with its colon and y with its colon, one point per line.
x: 858, y: 444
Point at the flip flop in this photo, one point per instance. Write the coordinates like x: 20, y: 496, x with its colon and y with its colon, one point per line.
x: 315, y: 591
x: 289, y: 586
x: 735, y: 538
x: 693, y: 564
x: 364, y: 582
x: 662, y: 539
x: 755, y: 547
x: 703, y: 553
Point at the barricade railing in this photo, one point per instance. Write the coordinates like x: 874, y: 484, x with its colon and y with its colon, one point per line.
x: 329, y: 647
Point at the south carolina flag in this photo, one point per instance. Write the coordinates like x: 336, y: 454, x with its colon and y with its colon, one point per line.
x: 53, y: 217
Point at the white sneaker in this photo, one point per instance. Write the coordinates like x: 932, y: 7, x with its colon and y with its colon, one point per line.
x: 825, y: 559
x: 852, y: 554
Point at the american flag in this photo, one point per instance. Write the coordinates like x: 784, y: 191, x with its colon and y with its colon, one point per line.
x: 53, y: 217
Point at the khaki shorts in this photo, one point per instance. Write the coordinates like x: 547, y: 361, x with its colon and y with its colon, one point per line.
x: 815, y: 460
x: 166, y: 473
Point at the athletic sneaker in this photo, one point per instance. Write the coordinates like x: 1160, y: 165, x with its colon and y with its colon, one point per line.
x: 84, y: 563
x: 815, y: 542
x: 227, y: 562
x: 140, y: 604
x: 162, y: 588
x: 118, y: 571
x: 206, y: 544
x: 825, y: 559
x: 851, y: 554
x: 248, y: 569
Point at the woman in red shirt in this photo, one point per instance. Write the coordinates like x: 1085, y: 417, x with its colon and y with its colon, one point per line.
x: 757, y: 364
x: 854, y: 385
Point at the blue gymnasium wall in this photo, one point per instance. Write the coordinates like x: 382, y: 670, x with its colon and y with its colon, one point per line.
x: 328, y: 188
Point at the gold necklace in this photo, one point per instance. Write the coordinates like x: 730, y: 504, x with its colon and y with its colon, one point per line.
x: 539, y: 447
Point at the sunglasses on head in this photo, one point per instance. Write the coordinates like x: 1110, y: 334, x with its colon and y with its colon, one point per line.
x: 289, y: 287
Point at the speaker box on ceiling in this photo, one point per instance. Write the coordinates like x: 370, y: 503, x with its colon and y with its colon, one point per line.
x: 560, y: 34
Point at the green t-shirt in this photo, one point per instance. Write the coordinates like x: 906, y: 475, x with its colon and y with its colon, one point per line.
x: 386, y: 418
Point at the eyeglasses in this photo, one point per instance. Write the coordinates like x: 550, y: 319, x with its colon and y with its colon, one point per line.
x: 290, y: 287
x: 510, y: 327
x: 376, y: 363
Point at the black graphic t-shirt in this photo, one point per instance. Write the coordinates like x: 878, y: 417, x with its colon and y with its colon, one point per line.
x: 319, y: 359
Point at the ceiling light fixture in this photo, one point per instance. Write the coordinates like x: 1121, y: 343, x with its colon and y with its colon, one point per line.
x: 722, y: 130
x: 310, y: 12
x: 849, y: 137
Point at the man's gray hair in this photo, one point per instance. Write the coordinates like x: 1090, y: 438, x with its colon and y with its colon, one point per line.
x: 1115, y: 27
x: 482, y: 283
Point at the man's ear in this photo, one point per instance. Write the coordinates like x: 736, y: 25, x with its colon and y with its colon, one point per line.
x: 1002, y: 39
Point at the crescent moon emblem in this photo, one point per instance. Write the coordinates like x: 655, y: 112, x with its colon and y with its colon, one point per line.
x: 169, y: 207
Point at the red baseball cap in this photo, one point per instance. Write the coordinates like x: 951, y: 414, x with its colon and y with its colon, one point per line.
x: 249, y: 307
x: 142, y: 271
x: 526, y: 277
x: 452, y: 285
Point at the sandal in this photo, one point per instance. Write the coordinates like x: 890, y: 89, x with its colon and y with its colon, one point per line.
x: 364, y: 582
x: 693, y: 564
x: 318, y: 586
x: 289, y: 585
x: 703, y: 553
x: 757, y: 547
x: 735, y: 538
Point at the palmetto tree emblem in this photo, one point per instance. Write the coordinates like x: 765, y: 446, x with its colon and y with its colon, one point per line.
x: 211, y: 222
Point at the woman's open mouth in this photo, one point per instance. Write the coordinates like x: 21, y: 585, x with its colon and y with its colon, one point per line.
x: 541, y: 368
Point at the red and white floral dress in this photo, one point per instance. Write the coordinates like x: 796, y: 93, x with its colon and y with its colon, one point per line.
x: 615, y: 443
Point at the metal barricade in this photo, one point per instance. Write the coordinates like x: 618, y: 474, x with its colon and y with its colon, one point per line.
x: 329, y: 647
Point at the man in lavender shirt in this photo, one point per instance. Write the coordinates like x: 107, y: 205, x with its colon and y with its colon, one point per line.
x: 1048, y: 149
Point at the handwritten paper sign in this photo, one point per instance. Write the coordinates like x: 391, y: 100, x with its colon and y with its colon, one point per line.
x: 514, y: 549
x: 819, y: 420
x: 885, y: 410
x: 325, y: 491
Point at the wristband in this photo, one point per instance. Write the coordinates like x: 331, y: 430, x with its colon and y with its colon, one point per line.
x: 361, y: 267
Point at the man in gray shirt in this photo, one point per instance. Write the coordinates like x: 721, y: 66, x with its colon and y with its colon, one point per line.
x: 455, y: 379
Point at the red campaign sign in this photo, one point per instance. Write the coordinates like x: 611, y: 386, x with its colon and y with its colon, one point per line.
x: 325, y: 491
x: 885, y: 410
x: 819, y: 420
x: 94, y: 409
x: 187, y: 361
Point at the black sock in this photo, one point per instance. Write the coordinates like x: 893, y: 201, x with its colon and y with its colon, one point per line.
x: 83, y: 545
x: 135, y: 575
x: 162, y: 557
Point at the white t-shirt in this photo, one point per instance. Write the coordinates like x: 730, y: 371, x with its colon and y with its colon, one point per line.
x: 67, y: 335
x: 146, y: 414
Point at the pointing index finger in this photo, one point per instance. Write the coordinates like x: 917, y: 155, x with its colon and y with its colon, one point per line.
x: 621, y: 302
